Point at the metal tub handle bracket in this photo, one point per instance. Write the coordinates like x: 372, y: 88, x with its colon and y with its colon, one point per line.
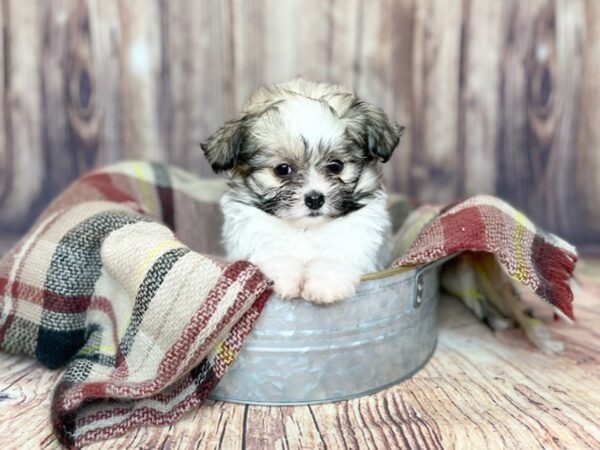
x: 419, y: 288
x: 419, y: 295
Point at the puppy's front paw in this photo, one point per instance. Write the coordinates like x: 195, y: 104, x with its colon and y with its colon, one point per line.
x: 286, y: 274
x: 326, y: 281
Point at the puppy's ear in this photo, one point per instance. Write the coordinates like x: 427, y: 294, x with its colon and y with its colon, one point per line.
x: 224, y: 148
x: 372, y: 128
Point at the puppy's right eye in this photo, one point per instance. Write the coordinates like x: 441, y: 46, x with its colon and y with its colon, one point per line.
x: 282, y: 170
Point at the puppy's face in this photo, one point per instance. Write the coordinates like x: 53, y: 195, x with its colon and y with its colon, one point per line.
x: 304, y: 152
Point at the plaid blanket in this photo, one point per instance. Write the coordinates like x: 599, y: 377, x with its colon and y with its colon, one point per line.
x: 147, y: 325
x: 493, y: 244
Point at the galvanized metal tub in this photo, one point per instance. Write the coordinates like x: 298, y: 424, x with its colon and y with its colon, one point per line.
x: 302, y: 353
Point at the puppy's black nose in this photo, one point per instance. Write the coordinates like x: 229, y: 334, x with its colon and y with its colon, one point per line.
x: 314, y: 199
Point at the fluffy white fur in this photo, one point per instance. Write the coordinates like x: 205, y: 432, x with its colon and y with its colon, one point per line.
x: 320, y: 263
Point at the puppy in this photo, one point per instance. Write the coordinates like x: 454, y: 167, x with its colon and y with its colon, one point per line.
x: 306, y: 202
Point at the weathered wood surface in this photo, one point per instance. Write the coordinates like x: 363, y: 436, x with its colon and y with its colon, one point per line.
x: 588, y: 157
x: 498, y: 96
x: 478, y: 391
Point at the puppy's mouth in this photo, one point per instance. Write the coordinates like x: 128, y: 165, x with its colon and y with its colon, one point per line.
x: 309, y: 219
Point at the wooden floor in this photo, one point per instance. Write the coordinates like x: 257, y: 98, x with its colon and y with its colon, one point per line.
x: 478, y: 391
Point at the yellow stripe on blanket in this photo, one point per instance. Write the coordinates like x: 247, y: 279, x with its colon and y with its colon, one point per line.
x: 225, y: 353
x: 521, y: 221
x: 144, y: 182
x: 91, y: 349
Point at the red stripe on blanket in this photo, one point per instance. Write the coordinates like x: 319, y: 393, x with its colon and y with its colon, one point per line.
x: 458, y: 237
x: 104, y: 184
x: 56, y: 302
x: 65, y: 304
x: 94, y: 390
x: 554, y: 266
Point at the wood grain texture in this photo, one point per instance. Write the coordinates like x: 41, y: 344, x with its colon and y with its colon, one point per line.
x: 497, y: 97
x: 106, y: 85
x: 484, y: 35
x: 557, y: 191
x: 71, y: 138
x: 23, y: 157
x: 540, y: 113
x: 588, y: 150
x: 515, y: 174
x: 198, y: 86
x: 479, y: 390
x: 384, y: 71
x: 139, y: 63
x: 436, y: 69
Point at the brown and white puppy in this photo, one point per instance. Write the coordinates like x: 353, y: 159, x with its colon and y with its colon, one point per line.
x: 306, y: 201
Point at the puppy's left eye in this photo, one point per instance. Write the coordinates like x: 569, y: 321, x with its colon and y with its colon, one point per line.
x: 283, y: 170
x: 335, y: 166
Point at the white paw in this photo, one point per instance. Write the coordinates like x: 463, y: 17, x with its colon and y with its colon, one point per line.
x: 327, y: 281
x: 286, y: 273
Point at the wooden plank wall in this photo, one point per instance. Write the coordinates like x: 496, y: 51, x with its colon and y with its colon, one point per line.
x: 497, y: 96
